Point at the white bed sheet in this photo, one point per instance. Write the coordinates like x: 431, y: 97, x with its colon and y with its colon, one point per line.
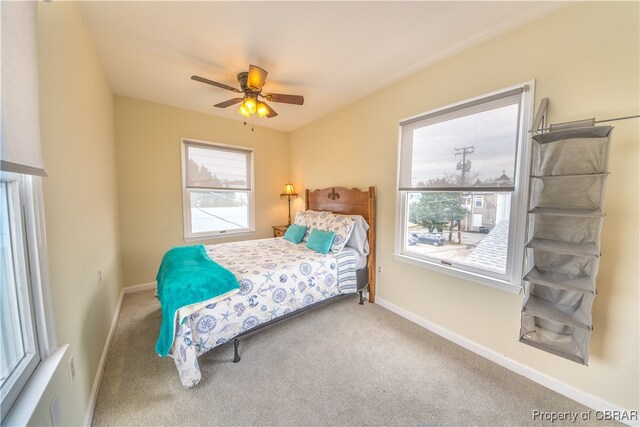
x: 361, y: 260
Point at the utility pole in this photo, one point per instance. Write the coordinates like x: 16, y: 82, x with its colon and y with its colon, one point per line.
x: 464, y: 165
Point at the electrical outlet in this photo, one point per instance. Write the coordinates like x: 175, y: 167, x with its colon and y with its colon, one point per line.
x: 380, y: 269
x: 99, y: 277
x: 72, y: 369
x: 54, y: 411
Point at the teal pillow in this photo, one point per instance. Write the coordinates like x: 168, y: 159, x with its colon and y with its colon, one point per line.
x: 321, y: 241
x: 295, y: 233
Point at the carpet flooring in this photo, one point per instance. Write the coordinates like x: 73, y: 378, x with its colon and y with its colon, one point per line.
x: 342, y: 364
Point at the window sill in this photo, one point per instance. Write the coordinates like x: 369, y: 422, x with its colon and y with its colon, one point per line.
x: 492, y: 282
x: 28, y: 401
x: 203, y: 237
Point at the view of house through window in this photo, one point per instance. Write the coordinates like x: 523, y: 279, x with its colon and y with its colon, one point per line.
x: 443, y: 226
x: 458, y: 169
x: 218, y: 189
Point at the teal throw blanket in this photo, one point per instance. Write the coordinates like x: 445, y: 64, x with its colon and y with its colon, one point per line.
x: 187, y: 276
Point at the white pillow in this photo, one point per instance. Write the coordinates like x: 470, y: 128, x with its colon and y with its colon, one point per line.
x: 359, y: 239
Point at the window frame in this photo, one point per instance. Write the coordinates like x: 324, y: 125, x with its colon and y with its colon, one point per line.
x: 188, y: 236
x: 33, y: 255
x: 30, y: 359
x: 511, y: 280
x: 475, y: 201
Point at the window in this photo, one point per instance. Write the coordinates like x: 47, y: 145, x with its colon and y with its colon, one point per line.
x: 20, y: 355
x: 21, y: 293
x: 470, y: 151
x: 218, y: 194
x: 477, y: 220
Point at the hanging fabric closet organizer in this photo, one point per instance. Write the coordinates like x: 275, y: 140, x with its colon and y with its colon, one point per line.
x: 569, y: 170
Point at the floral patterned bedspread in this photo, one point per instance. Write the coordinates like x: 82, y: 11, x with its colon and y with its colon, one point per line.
x: 276, y: 277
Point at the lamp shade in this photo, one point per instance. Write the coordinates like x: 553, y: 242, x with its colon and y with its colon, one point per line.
x: 250, y: 105
x: 243, y: 110
x: 262, y: 109
x: 288, y: 190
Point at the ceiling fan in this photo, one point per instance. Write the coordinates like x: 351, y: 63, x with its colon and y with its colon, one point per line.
x: 251, y: 83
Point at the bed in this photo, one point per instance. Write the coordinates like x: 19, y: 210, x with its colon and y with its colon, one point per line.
x: 278, y: 279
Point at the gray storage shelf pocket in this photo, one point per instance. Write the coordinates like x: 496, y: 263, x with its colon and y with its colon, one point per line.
x: 556, y: 338
x: 566, y: 281
x: 571, y: 152
x: 568, y: 307
x: 569, y: 248
x: 567, y: 191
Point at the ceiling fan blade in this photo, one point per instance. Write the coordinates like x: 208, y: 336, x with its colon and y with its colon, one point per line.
x: 229, y: 103
x: 256, y: 78
x: 211, y: 82
x: 287, y: 99
x: 271, y: 113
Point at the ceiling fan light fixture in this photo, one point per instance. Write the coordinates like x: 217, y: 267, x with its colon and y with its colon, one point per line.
x: 250, y: 105
x: 262, y: 109
x: 242, y: 110
x: 256, y: 77
x: 251, y: 83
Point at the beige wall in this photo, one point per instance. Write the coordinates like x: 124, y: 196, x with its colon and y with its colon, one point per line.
x: 585, y: 58
x: 76, y: 113
x: 150, y: 181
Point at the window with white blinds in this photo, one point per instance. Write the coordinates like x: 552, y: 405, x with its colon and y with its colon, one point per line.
x: 459, y: 178
x: 218, y: 194
x: 466, y: 147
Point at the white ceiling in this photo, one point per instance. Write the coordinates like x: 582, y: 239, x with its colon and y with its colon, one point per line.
x: 332, y: 53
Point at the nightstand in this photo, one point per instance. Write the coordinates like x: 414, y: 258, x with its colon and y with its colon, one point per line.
x: 278, y: 230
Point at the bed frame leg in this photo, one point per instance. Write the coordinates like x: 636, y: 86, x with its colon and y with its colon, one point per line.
x: 236, y: 355
x: 361, y: 298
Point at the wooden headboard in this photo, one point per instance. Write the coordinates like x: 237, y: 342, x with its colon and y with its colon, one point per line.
x: 346, y: 201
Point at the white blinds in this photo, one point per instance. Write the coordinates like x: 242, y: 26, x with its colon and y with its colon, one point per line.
x: 216, y: 167
x: 467, y: 147
x: 21, y: 151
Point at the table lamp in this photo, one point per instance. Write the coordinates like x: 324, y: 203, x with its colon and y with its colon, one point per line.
x: 289, y: 191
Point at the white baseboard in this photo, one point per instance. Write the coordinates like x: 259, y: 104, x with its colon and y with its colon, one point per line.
x: 545, y: 380
x: 103, y: 359
x: 139, y: 288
